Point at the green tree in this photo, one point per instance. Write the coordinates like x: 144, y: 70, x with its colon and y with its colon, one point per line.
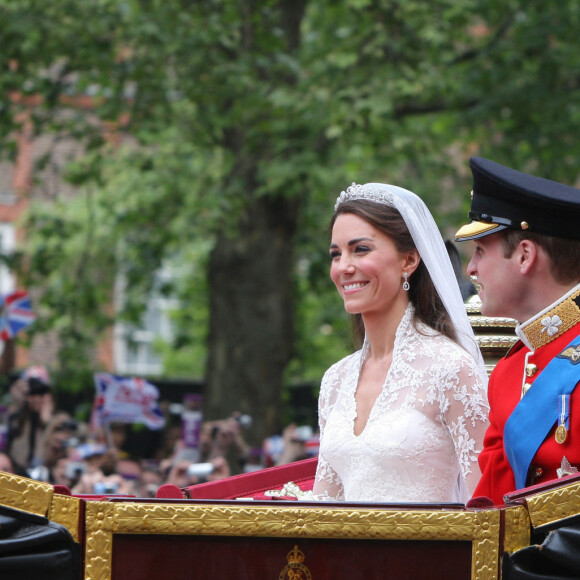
x: 239, y: 123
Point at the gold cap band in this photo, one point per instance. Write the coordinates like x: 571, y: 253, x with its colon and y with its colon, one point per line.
x: 476, y: 230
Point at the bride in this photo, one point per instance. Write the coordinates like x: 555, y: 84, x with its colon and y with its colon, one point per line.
x: 403, y: 418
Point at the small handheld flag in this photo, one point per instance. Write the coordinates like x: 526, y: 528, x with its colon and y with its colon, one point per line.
x: 15, y: 314
x: 127, y: 400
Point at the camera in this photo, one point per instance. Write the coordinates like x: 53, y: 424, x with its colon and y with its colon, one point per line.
x: 40, y: 473
x: 74, y: 469
x: 201, y: 470
x: 71, y: 443
x: 69, y: 425
x: 303, y: 433
x: 245, y: 421
x: 105, y: 487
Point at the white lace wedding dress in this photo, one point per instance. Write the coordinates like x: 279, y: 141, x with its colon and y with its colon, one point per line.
x: 424, y: 432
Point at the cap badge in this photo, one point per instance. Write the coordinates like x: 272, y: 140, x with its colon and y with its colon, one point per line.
x: 525, y: 225
x: 551, y: 325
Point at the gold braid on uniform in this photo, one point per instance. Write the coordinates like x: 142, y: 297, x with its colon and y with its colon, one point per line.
x: 552, y: 324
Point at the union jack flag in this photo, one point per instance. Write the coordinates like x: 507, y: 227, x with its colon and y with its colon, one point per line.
x: 127, y: 400
x: 15, y: 314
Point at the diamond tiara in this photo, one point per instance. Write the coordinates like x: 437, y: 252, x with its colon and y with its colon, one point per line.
x: 370, y: 192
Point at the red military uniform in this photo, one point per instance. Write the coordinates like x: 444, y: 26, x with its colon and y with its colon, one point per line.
x: 549, y: 333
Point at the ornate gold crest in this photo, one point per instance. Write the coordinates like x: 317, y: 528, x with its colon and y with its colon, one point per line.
x: 295, y: 569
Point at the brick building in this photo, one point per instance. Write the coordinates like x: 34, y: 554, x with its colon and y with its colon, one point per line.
x: 126, y: 350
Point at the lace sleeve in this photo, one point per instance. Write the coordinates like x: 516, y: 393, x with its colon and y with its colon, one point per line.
x: 327, y: 484
x: 465, y: 411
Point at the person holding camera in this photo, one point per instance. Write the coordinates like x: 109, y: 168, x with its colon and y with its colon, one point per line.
x: 184, y: 473
x: 100, y: 474
x: 30, y: 413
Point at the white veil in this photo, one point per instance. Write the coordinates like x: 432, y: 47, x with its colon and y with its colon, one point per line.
x: 431, y: 248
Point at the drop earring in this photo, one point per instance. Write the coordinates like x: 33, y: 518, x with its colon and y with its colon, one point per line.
x: 406, y: 284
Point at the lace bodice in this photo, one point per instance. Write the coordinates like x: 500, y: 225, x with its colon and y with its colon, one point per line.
x: 424, y: 432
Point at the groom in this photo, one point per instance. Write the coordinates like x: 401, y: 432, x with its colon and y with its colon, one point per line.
x: 526, y: 260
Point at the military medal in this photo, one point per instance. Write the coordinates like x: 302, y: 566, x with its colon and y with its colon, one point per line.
x: 561, y: 433
x: 562, y: 429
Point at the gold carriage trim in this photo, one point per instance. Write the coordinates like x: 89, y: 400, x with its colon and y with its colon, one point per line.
x: 518, y: 528
x: 552, y: 506
x: 38, y: 498
x: 105, y: 520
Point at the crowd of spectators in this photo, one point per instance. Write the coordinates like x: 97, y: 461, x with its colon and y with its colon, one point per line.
x: 39, y: 441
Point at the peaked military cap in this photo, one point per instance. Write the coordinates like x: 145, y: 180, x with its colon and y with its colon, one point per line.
x: 505, y: 198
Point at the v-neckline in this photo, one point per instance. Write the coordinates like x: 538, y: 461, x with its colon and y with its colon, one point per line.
x: 364, y: 352
x: 379, y: 395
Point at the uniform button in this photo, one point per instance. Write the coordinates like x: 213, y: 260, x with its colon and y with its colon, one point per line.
x: 538, y: 472
x: 531, y: 369
x: 526, y: 388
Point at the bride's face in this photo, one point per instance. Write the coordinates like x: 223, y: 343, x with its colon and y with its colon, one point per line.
x: 366, y: 267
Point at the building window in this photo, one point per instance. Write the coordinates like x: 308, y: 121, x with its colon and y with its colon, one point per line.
x: 7, y: 194
x: 134, y: 347
x: 7, y: 241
